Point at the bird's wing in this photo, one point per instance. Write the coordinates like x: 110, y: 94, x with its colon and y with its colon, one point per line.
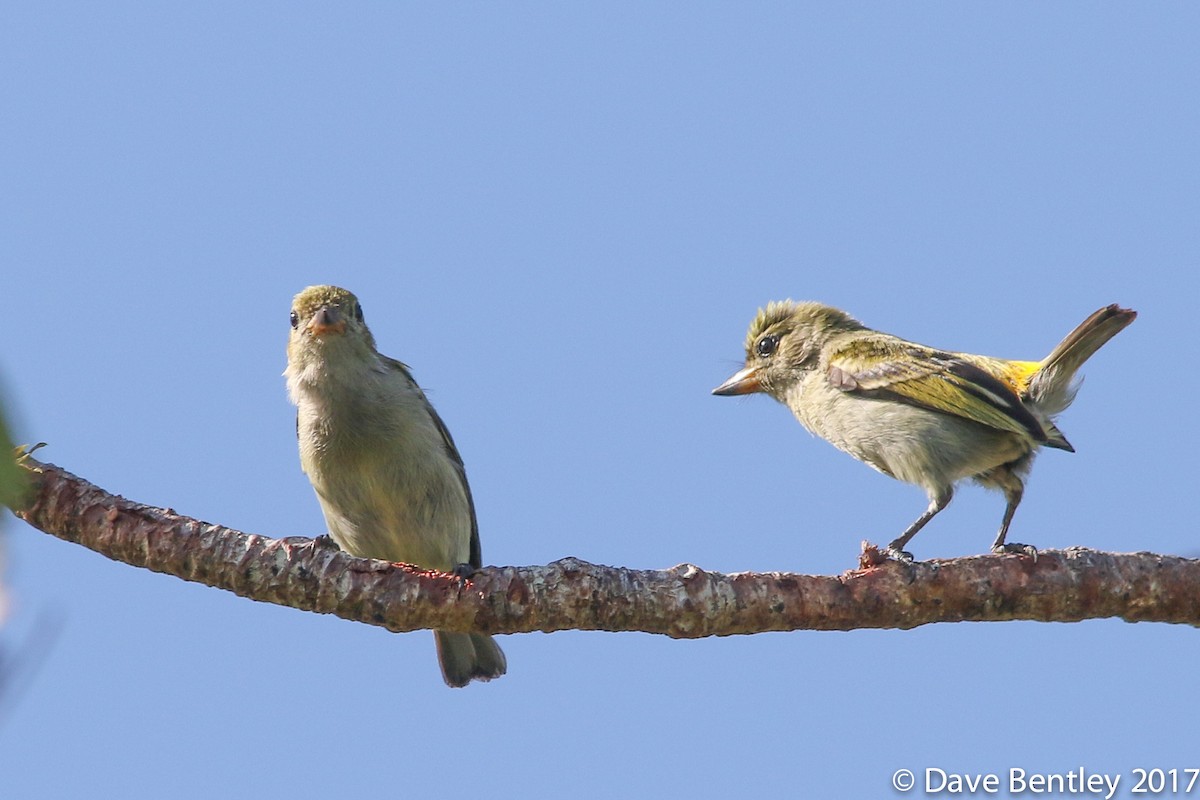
x: 303, y: 468
x: 886, y: 367
x: 475, y: 559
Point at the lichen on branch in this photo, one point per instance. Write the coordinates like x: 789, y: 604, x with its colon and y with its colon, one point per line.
x: 571, y: 594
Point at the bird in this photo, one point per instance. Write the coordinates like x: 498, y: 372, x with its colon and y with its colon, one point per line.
x: 387, y: 474
x: 919, y: 414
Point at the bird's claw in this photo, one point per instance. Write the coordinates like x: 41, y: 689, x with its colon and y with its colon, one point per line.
x: 464, y: 571
x: 317, y: 542
x: 1016, y: 548
x: 896, y: 554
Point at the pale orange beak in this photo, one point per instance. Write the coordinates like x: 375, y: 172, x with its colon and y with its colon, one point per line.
x: 744, y: 381
x: 326, y: 321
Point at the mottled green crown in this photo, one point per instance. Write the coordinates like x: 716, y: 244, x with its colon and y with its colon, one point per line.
x: 768, y: 316
x: 308, y: 301
x: 787, y: 315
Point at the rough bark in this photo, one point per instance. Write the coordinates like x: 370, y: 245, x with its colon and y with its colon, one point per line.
x: 683, y: 602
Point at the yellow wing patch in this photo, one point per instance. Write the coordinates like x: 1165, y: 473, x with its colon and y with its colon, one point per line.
x: 983, y: 390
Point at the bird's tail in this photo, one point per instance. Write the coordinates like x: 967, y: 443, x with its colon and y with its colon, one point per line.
x: 467, y: 657
x: 1052, y: 386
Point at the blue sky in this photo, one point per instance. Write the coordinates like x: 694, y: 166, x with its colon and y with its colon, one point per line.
x: 563, y: 217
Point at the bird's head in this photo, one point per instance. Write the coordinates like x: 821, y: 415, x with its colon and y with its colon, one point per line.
x: 328, y: 328
x: 784, y: 341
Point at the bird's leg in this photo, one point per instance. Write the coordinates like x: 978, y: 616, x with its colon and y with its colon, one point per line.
x: 1013, y: 491
x: 936, y: 503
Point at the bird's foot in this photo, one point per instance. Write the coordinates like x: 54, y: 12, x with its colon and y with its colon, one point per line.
x: 1016, y: 548
x: 464, y: 571
x: 873, y: 555
x: 325, y: 541
x: 317, y: 542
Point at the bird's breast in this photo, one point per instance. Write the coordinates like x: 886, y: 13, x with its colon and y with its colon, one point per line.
x: 387, y: 487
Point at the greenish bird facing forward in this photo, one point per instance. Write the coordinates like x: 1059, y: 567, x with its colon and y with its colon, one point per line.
x: 387, y: 474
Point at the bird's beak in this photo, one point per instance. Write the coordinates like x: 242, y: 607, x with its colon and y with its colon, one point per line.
x: 744, y: 381
x: 326, y: 321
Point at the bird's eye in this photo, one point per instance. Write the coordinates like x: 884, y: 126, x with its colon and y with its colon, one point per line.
x: 358, y: 315
x: 766, y: 346
x: 295, y: 319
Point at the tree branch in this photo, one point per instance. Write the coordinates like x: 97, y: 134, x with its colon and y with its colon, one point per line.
x: 683, y: 602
